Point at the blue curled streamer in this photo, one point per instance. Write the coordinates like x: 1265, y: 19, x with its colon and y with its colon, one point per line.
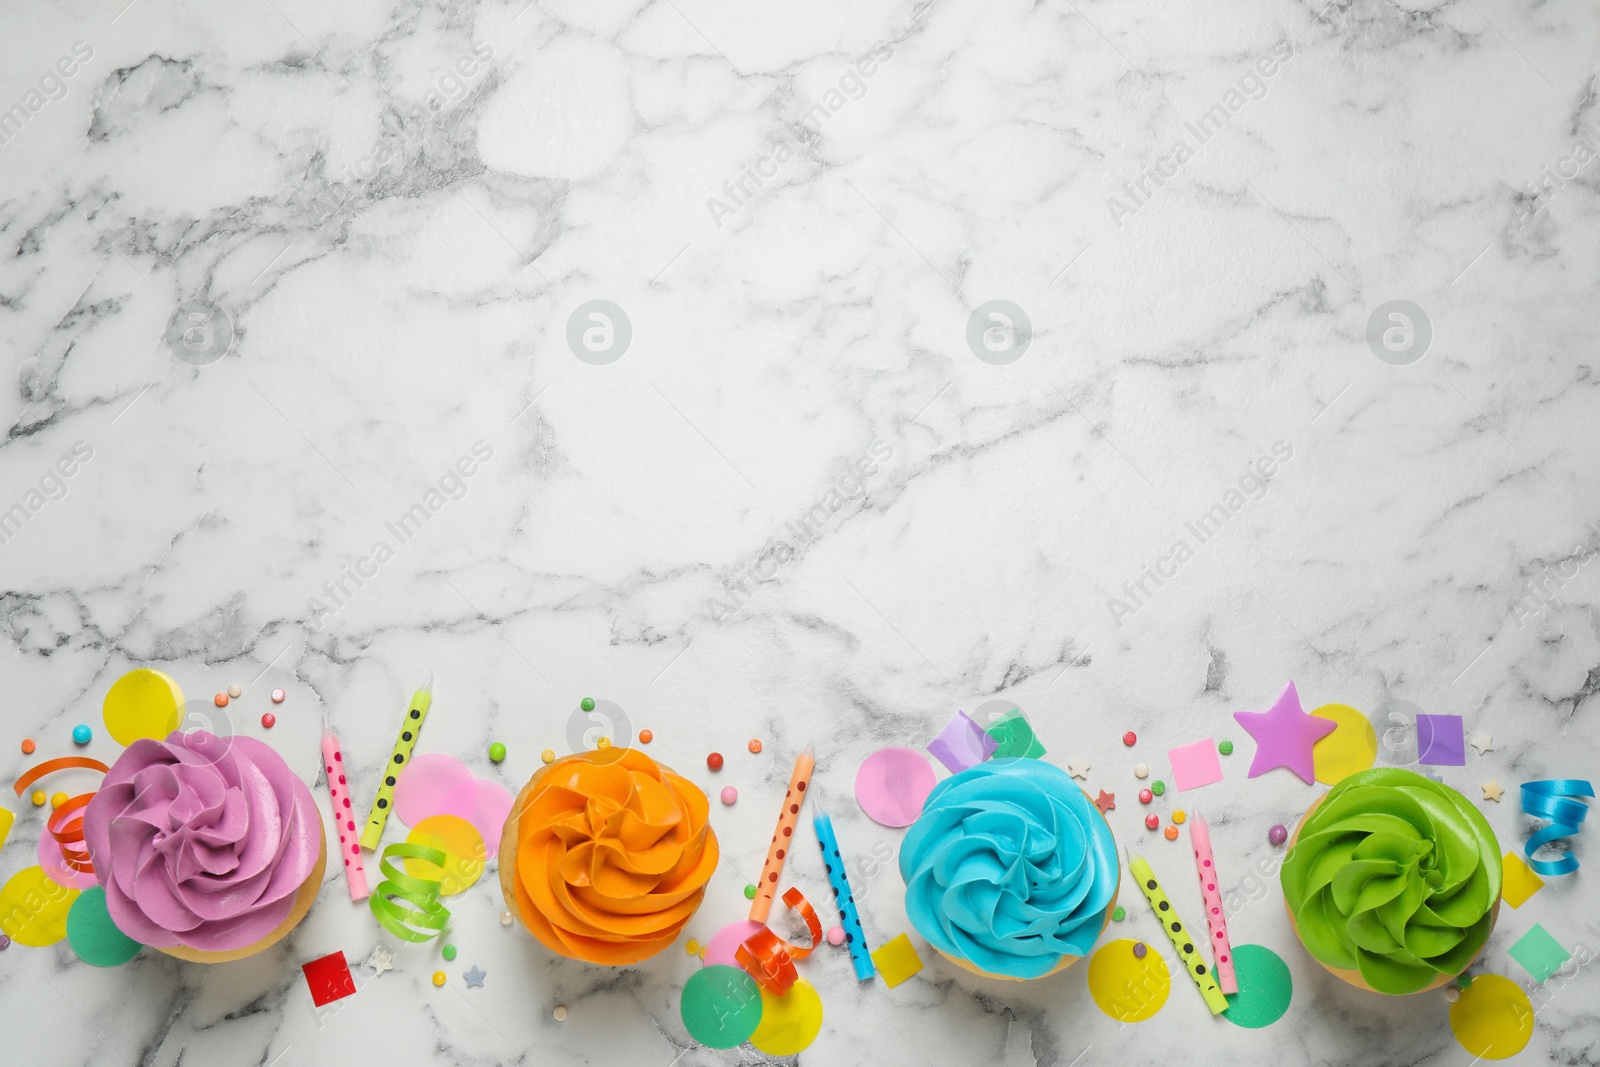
x: 1555, y: 799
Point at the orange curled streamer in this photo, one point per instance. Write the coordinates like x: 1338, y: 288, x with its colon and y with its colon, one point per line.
x: 769, y: 959
x: 66, y: 826
x: 61, y: 763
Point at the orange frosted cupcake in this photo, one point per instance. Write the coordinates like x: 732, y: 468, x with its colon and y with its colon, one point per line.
x: 606, y: 856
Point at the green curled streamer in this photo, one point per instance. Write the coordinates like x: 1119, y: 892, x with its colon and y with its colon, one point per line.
x: 409, y: 907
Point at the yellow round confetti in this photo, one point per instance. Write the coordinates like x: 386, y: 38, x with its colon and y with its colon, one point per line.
x: 439, y: 978
x: 548, y: 755
x: 1128, y: 988
x: 692, y: 948
x: 1493, y: 1018
x: 33, y: 909
x: 1352, y: 747
x: 789, y: 1023
x: 1179, y: 817
x: 465, y: 853
x: 142, y: 704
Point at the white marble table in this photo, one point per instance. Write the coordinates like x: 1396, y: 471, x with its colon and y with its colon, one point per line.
x: 272, y: 269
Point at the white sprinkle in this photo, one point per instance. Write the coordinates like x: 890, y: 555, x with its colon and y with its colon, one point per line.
x: 560, y: 1013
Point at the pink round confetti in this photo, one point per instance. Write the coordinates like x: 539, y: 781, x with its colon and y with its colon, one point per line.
x: 893, y: 784
x: 836, y: 935
x: 729, y: 794
x: 434, y: 784
x: 726, y: 941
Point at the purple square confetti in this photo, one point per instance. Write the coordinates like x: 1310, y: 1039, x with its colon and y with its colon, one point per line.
x: 1441, y: 741
x: 962, y: 744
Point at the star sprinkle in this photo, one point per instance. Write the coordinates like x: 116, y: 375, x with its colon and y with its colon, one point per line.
x: 381, y: 960
x: 1078, y: 770
x: 475, y: 977
x: 1482, y: 742
x: 1492, y: 790
x: 1284, y: 735
x: 1105, y: 802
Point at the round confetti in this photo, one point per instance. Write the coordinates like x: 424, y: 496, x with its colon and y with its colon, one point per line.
x: 714, y: 761
x: 789, y: 1023
x: 754, y: 745
x: 1141, y: 771
x: 749, y: 892
x: 92, y: 934
x: 836, y: 935
x: 1278, y: 834
x: 268, y: 720
x: 465, y: 852
x: 726, y: 941
x: 1145, y: 796
x: 33, y: 909
x: 1492, y: 1018
x: 278, y: 695
x: 892, y: 784
x: 142, y: 704
x: 548, y: 755
x: 1225, y: 747
x: 1130, y: 738
x: 235, y: 691
x: 438, y: 978
x: 729, y: 794
x: 497, y: 752
x: 1171, y: 833
x: 587, y: 703
x: 721, y: 1006
x: 448, y: 952
x: 1158, y: 787
x: 58, y: 799
x: 1119, y: 913
x: 560, y: 1013
x: 81, y: 734
x: 1352, y: 747
x: 1128, y: 986
x: 1180, y: 817
x: 1152, y: 821
x: 220, y: 700
x: 39, y: 797
x: 645, y: 737
x: 1265, y: 987
x: 28, y: 747
x: 692, y: 947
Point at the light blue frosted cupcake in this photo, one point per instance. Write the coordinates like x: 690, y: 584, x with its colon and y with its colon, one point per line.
x: 1010, y: 870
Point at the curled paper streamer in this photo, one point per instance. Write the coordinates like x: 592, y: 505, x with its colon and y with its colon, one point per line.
x: 1555, y: 799
x: 51, y: 766
x: 769, y: 959
x: 66, y: 826
x: 409, y: 907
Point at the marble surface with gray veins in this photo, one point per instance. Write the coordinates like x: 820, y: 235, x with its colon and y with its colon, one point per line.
x: 801, y: 372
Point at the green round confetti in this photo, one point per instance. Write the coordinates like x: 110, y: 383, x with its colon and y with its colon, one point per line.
x: 1225, y: 747
x: 1158, y: 787
x: 721, y: 1006
x: 587, y: 704
x: 1265, y: 987
x: 449, y: 952
x: 497, y: 752
x: 1119, y: 914
x: 92, y: 934
x: 749, y: 892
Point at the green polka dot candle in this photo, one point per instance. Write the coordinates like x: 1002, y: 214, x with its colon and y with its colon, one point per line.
x: 410, y: 727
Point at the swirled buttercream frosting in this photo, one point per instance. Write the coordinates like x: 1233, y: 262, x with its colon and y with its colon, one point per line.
x: 613, y: 852
x: 201, y: 841
x: 1009, y: 867
x: 1395, y: 876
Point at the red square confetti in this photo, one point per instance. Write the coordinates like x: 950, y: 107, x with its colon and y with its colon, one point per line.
x: 329, y: 979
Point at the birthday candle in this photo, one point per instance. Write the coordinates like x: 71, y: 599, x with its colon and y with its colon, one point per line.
x: 1193, y: 962
x: 1205, y: 864
x: 410, y: 727
x: 854, y: 939
x: 783, y: 836
x: 344, y: 816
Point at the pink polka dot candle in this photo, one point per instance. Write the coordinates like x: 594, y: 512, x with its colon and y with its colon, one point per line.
x: 1217, y: 922
x: 344, y: 816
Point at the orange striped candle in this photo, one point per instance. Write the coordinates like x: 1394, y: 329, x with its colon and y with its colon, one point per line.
x: 783, y: 836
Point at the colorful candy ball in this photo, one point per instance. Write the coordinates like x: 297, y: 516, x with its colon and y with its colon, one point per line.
x: 28, y: 747
x: 645, y: 737
x: 268, y: 720
x: 754, y: 745
x: 729, y: 794
x: 1145, y: 796
x: 1278, y: 834
x: 497, y: 752
x: 714, y: 761
x: 278, y: 695
x: 1171, y: 833
x: 1152, y: 821
x: 1130, y: 738
x: 81, y: 734
x: 836, y: 935
x: 587, y: 703
x: 1225, y: 747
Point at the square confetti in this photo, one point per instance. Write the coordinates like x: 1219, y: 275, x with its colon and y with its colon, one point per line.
x: 962, y: 744
x: 1195, y: 765
x: 1518, y: 881
x: 1441, y: 741
x: 329, y: 979
x: 1014, y: 736
x: 1538, y: 952
x: 897, y: 961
